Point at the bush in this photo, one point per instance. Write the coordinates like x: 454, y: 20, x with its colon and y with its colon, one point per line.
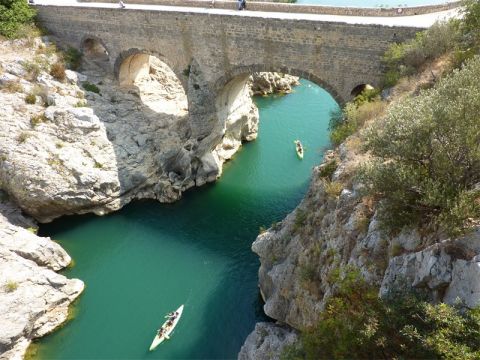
x: 91, y: 87
x: 58, y: 71
x: 30, y: 99
x: 428, y: 156
x: 37, y: 119
x: 406, y: 58
x: 346, y: 122
x: 11, y: 286
x: 72, y: 58
x: 356, y: 324
x: 13, y: 15
x: 470, y: 24
x: 327, y: 170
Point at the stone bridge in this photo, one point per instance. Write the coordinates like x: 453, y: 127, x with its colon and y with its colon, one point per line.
x: 213, y: 51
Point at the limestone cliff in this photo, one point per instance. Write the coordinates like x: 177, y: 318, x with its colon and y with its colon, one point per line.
x: 34, y: 299
x: 93, y: 148
x: 335, y: 227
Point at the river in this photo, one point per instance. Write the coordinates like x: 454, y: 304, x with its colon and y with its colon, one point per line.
x: 147, y: 259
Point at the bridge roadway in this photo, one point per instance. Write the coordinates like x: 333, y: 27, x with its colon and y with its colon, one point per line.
x: 417, y: 21
x: 212, y: 51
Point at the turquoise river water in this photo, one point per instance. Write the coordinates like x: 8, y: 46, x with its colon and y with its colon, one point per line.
x: 147, y: 259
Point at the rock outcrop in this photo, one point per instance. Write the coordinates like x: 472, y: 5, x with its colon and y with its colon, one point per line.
x: 335, y: 228
x: 267, y: 342
x: 34, y: 299
x: 88, y: 145
x: 265, y: 83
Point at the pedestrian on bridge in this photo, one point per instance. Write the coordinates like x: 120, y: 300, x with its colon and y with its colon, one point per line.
x: 242, y: 4
x: 121, y: 4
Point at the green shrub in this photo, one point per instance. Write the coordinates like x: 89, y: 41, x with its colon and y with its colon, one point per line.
x: 13, y: 15
x: 470, y: 24
x: 30, y: 99
x: 72, y: 58
x: 347, y: 121
x: 428, y: 156
x: 406, y: 58
x: 91, y: 87
x: 356, y: 324
x: 300, y: 218
x: 11, y: 286
x: 327, y: 170
x: 37, y: 119
x: 22, y: 137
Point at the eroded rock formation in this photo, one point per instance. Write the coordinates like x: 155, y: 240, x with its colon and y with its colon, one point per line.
x: 34, y: 299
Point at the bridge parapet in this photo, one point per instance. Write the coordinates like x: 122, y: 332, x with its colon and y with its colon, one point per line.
x: 269, y: 6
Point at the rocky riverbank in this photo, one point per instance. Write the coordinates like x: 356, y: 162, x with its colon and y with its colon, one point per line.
x: 335, y: 227
x: 34, y: 299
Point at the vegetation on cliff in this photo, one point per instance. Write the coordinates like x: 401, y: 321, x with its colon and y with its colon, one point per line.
x: 427, y: 156
x: 357, y: 324
x: 422, y: 171
x: 14, y: 16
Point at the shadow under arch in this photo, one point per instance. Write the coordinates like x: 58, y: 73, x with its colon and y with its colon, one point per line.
x: 130, y: 55
x: 94, y: 49
x: 247, y: 70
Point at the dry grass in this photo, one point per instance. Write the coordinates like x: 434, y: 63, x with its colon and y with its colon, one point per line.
x: 333, y: 188
x: 13, y: 86
x: 57, y: 70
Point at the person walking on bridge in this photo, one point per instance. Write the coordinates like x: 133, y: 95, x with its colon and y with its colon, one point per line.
x: 242, y: 4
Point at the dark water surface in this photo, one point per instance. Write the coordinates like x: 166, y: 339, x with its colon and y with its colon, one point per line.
x: 147, y: 259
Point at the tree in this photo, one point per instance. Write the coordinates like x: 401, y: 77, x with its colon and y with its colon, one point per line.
x: 13, y: 15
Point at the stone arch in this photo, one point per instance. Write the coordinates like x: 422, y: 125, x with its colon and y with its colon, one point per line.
x: 357, y: 90
x: 153, y: 79
x: 242, y: 72
x: 94, y: 49
x: 134, y: 57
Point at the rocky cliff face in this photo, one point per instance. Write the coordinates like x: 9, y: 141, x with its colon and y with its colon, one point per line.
x: 34, y: 299
x: 334, y: 228
x: 76, y: 150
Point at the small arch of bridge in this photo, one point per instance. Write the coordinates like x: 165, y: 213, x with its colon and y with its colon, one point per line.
x: 128, y: 58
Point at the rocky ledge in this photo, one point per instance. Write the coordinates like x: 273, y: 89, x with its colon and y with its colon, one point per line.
x: 34, y: 299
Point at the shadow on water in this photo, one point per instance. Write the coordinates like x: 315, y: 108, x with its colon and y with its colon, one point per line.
x: 148, y: 258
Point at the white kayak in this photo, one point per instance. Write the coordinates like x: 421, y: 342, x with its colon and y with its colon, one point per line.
x: 166, y: 329
x: 299, y: 148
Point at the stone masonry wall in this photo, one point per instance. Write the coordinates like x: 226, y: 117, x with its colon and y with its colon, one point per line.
x: 207, y: 51
x: 269, y: 5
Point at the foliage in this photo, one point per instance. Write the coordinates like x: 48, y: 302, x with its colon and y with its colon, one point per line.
x: 11, y: 286
x: 347, y: 121
x: 470, y: 24
x: 357, y: 324
x: 91, y: 87
x: 326, y: 171
x: 14, y: 14
x: 30, y: 99
x: 407, y: 57
x: 333, y: 188
x: 366, y: 96
x: 72, y: 58
x: 428, y: 156
x: 300, y: 218
x: 37, y: 119
x: 57, y: 70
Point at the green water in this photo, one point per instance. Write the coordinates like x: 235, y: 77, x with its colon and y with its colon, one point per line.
x: 149, y: 258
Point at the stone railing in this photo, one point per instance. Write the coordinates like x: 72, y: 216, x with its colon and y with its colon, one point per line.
x: 269, y: 6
